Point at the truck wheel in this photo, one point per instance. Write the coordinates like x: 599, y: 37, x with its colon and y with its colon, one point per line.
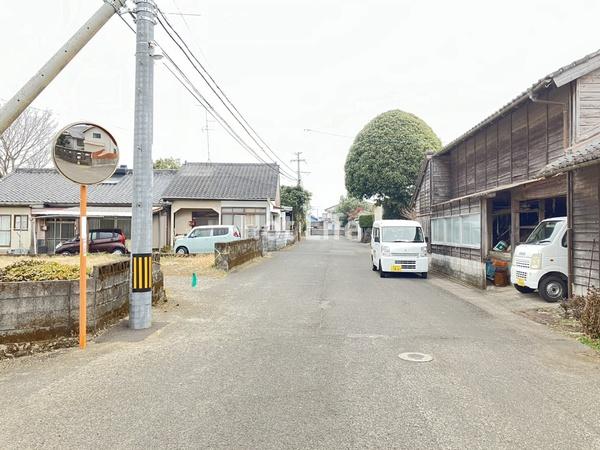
x: 382, y: 274
x: 373, y: 266
x: 523, y: 289
x: 553, y: 288
x: 424, y: 275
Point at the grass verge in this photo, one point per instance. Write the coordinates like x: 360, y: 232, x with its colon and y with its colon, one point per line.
x: 593, y: 343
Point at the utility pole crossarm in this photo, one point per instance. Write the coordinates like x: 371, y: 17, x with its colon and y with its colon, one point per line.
x: 28, y: 93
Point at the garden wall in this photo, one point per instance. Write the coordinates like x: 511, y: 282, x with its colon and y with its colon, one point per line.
x: 234, y: 253
x: 44, y: 310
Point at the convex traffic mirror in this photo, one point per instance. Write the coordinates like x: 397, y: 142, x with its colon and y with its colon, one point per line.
x: 85, y: 153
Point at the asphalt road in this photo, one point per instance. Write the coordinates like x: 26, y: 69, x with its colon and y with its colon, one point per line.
x: 300, y: 350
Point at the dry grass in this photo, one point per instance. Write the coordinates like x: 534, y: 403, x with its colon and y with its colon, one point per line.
x: 92, y: 260
x: 186, y: 265
x: 170, y: 265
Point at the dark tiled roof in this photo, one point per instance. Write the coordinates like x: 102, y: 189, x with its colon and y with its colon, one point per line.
x: 224, y: 181
x: 48, y: 187
x: 583, y: 156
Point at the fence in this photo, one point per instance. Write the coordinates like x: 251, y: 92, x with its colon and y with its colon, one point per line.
x: 276, y: 240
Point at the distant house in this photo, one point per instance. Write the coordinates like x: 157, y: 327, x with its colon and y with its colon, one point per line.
x: 246, y: 195
x: 39, y: 208
x: 331, y: 218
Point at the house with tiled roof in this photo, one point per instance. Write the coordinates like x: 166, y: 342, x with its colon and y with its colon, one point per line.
x: 246, y: 195
x: 39, y: 208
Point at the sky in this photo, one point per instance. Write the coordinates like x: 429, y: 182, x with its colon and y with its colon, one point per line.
x: 288, y: 66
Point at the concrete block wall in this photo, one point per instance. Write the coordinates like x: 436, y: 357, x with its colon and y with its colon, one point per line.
x: 467, y: 270
x: 234, y: 253
x: 41, y: 310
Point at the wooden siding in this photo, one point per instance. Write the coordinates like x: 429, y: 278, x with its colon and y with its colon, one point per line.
x: 440, y: 179
x: 586, y: 227
x: 588, y: 104
x: 513, y: 148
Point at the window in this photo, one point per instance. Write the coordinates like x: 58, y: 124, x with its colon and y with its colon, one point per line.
x: 21, y: 223
x: 102, y: 235
x: 5, y: 231
x: 96, y: 135
x: 220, y: 231
x: 543, y: 233
x: 401, y: 234
x: 376, y: 234
x: 460, y: 231
x: 201, y: 232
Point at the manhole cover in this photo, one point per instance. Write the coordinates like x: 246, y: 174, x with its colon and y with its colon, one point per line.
x: 415, y: 357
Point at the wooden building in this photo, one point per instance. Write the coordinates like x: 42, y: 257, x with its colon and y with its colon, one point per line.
x: 488, y: 187
x: 582, y: 166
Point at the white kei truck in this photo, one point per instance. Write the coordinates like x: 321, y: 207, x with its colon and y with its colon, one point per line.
x: 398, y: 246
x: 541, y: 262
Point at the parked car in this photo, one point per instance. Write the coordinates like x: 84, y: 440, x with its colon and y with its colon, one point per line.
x: 203, y: 239
x: 541, y: 262
x: 398, y: 246
x: 106, y: 240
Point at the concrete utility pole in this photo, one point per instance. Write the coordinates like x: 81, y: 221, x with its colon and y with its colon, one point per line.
x: 298, y: 160
x: 140, y: 307
x: 27, y: 94
x: 208, y: 129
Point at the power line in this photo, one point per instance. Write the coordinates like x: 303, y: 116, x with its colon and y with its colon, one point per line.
x: 211, y: 87
x: 220, y: 94
x: 310, y: 130
x: 186, y: 83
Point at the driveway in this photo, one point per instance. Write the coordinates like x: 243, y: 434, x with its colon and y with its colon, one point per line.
x: 300, y: 350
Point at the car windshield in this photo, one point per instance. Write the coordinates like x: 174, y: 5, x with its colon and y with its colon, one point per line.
x: 402, y: 234
x: 543, y: 233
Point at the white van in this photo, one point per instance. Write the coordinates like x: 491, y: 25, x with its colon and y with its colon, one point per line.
x: 541, y: 262
x: 398, y: 246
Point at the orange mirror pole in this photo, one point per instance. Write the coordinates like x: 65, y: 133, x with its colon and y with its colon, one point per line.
x: 83, y: 243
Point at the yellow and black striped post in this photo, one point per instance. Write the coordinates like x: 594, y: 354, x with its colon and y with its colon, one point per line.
x: 141, y: 272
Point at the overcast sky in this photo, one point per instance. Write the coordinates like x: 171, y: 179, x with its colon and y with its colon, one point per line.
x: 328, y: 65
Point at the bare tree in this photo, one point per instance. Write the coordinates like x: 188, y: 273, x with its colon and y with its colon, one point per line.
x: 25, y: 143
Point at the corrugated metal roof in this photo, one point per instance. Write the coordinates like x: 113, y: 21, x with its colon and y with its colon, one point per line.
x: 541, y: 83
x: 48, y: 187
x: 224, y: 181
x: 582, y: 156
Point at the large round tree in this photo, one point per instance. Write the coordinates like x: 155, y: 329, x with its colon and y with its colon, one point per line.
x: 384, y: 160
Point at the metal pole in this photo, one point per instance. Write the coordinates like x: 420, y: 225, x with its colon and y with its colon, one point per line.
x: 27, y: 94
x: 83, y: 243
x: 140, y: 307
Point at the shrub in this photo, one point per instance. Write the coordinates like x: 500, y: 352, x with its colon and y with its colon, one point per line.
x: 590, y: 315
x: 573, y: 307
x: 38, y: 270
x: 366, y: 221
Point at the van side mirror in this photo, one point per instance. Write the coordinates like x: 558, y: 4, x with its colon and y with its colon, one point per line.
x: 427, y: 239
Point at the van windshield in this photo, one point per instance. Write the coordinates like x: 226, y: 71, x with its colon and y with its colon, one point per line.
x: 543, y: 233
x: 402, y: 234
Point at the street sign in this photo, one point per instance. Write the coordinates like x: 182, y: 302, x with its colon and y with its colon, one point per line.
x: 85, y: 153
